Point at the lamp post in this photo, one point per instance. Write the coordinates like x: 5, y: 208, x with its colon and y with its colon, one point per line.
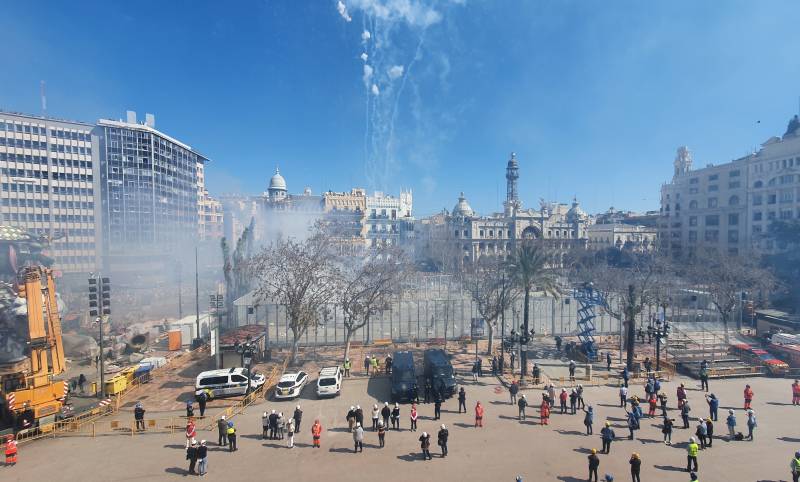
x: 661, y: 331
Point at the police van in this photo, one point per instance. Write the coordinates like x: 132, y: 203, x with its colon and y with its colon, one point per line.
x: 329, y: 383
x: 228, y: 382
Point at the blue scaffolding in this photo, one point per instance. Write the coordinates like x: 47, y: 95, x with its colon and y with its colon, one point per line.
x: 588, y: 298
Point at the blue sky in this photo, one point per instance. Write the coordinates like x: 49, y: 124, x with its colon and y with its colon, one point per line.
x: 594, y: 97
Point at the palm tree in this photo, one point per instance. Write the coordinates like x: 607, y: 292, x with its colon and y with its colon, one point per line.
x: 528, y: 269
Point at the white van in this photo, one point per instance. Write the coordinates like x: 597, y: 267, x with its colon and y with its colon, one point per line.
x: 329, y: 383
x: 228, y: 382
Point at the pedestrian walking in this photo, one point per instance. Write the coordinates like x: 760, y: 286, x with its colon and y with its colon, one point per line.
x: 81, y: 382
x: 594, y: 464
x: 572, y: 370
x: 751, y: 424
x: 231, y: 437
x: 795, y: 392
x: 625, y: 376
x: 537, y: 374
x: 191, y: 456
x: 298, y: 417
x: 562, y: 398
x: 794, y: 465
x: 652, y: 403
x: 691, y: 456
x: 700, y: 433
x: 358, y: 438
x: 522, y: 403
x: 425, y: 445
x: 662, y: 401
x: 680, y: 393
x: 573, y: 401
x: 11, y: 451
x: 138, y: 415
x: 748, y: 397
x: 281, y: 425
x: 513, y: 389
x: 666, y: 429
x: 202, y: 397
x: 685, y: 409
x: 367, y: 363
x: 202, y: 458
x: 376, y: 414
x: 386, y: 412
x: 375, y: 365
x: 191, y: 433
x: 381, y: 433
x: 709, y: 433
x: 442, y: 438
x: 475, y: 371
x: 413, y: 417
x: 347, y: 365
x: 607, y: 435
x: 396, y: 417
x: 579, y: 391
x: 480, y: 367
x: 731, y: 423
x: 290, y: 433
x: 636, y: 467
x: 494, y: 366
x: 633, y: 424
x: 588, y: 419
x: 316, y: 433
x: 222, y: 427
x: 462, y: 400
x: 437, y: 405
x: 479, y: 415
x: 544, y: 410
x: 608, y: 361
x: 351, y: 418
x: 704, y: 376
x: 623, y: 395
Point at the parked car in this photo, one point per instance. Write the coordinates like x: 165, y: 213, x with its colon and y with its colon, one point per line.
x: 329, y: 383
x: 439, y: 372
x: 404, y: 377
x: 290, y: 385
x: 228, y: 382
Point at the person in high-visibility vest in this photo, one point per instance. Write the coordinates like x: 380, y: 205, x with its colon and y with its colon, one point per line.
x: 795, y: 466
x: 691, y: 455
x: 231, y: 431
x: 316, y: 433
x: 347, y: 366
x: 11, y: 450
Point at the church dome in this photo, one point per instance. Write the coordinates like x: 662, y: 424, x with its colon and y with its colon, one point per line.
x: 462, y: 208
x: 575, y: 213
x: 277, y: 182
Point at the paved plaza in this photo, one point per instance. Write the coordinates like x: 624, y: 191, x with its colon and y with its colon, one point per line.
x: 500, y: 451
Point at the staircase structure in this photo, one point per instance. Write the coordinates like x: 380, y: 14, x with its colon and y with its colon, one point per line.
x: 588, y: 298
x: 691, y: 343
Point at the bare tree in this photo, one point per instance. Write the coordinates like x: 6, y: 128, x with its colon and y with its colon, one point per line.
x: 366, y: 287
x: 725, y: 277
x: 628, y: 289
x: 302, y: 276
x: 492, y: 291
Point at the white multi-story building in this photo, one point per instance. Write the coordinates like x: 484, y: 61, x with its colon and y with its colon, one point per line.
x: 389, y: 219
x: 621, y: 236
x: 729, y: 206
x: 49, y: 185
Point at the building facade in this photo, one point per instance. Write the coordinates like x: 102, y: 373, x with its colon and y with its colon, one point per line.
x: 729, y: 207
x: 389, y: 219
x: 49, y: 185
x: 621, y: 236
x: 150, y: 189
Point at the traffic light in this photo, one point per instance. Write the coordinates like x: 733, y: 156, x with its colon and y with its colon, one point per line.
x: 93, y: 293
x: 105, y: 296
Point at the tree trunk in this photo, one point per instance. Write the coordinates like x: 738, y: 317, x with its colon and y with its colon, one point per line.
x: 348, y: 335
x: 631, y: 323
x: 491, y: 338
x: 523, y: 358
x: 296, y: 335
x: 725, y: 326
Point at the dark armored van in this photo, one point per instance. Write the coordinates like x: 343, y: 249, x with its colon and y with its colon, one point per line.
x: 439, y: 372
x: 404, y: 377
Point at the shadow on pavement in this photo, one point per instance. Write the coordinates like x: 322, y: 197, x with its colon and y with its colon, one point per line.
x: 412, y: 457
x: 569, y: 432
x: 569, y: 478
x: 670, y: 468
x: 779, y: 404
x: 789, y: 439
x: 341, y: 450
x: 499, y: 402
x: 379, y: 388
x: 464, y: 425
x: 175, y: 446
x: 582, y: 450
x: 176, y: 470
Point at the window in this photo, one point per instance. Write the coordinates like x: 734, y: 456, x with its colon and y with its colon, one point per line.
x: 758, y: 184
x: 786, y: 196
x: 692, y: 204
x: 771, y: 215
x: 756, y: 229
x: 758, y: 200
x: 692, y: 220
x: 733, y: 201
x: 786, y: 214
x: 734, y: 185
x: 735, y: 173
x: 694, y: 180
x: 713, y: 177
x: 733, y: 236
x: 692, y: 235
x: 733, y: 219
x: 772, y: 198
x: 757, y: 216
x: 713, y: 188
x: 712, y: 220
x: 693, y: 190
x: 712, y: 235
x: 712, y: 202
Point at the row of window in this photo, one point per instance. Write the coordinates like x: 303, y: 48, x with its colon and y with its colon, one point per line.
x: 41, y: 160
x: 9, y: 126
x: 782, y: 180
x: 58, y: 176
x: 712, y: 235
x: 44, y: 203
x: 63, y: 246
x: 43, y: 218
x: 778, y: 164
x: 39, y: 188
x: 771, y: 215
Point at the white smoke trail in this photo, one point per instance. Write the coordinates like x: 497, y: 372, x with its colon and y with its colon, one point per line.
x: 342, y: 8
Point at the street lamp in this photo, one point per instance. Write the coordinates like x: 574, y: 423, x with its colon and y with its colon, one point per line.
x: 660, y: 331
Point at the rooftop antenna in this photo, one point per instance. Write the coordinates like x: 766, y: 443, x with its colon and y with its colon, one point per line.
x: 43, y: 95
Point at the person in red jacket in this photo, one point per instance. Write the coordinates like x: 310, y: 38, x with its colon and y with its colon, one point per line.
x: 479, y: 415
x: 316, y: 432
x: 796, y: 392
x: 544, y: 411
x: 11, y: 450
x: 748, y: 396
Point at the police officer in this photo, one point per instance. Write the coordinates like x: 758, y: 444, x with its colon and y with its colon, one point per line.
x: 462, y: 400
x: 443, y: 435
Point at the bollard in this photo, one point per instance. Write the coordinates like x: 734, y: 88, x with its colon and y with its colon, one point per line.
x: 93, y: 430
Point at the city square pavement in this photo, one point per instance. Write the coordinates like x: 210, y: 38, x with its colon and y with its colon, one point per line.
x: 500, y: 451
